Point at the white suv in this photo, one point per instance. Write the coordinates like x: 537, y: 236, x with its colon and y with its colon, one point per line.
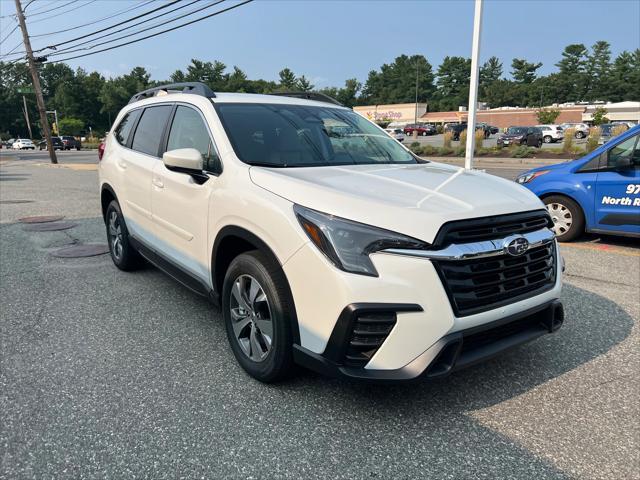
x: 324, y: 241
x: 551, y: 133
x: 581, y: 129
x: 23, y: 144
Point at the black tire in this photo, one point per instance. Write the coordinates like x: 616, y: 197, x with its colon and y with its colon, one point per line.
x: 579, y: 134
x: 539, y: 144
x: 124, y: 256
x: 576, y: 228
x: 548, y: 139
x: 277, y: 362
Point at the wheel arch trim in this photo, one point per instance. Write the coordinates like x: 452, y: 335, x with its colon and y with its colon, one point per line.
x: 253, y: 239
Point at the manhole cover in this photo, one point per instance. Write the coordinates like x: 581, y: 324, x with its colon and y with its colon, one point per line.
x: 49, y: 227
x: 42, y: 219
x: 9, y: 202
x: 87, y: 250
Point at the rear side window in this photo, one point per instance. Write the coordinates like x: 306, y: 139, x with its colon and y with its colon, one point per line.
x: 123, y: 129
x: 189, y: 131
x: 150, y: 128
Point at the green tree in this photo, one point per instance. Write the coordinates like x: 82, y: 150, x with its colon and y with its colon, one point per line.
x: 523, y: 71
x: 396, y: 82
x: 453, y: 82
x: 288, y: 80
x: 71, y: 126
x: 624, y: 81
x: 598, y: 71
x: 490, y: 71
x: 547, y: 116
x: 304, y: 84
x: 599, y: 116
x: 572, y: 75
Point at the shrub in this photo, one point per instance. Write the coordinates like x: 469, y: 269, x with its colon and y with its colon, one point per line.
x: 459, y: 151
x: 618, y: 129
x: 416, y: 148
x: 547, y: 115
x: 592, y: 139
x: 430, y: 150
x: 463, y: 137
x: 599, y: 116
x: 445, y: 151
x: 448, y: 137
x: 523, y: 151
x: 569, y: 135
x: 479, y: 139
x: 90, y: 145
x: 439, y: 129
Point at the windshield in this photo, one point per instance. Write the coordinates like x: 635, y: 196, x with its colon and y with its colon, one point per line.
x: 516, y: 130
x: 300, y: 136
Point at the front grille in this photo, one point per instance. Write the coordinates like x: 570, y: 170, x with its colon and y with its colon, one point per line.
x: 490, y: 228
x: 369, y: 332
x: 482, y: 284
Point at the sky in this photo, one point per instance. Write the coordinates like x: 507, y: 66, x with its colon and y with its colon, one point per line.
x: 330, y: 41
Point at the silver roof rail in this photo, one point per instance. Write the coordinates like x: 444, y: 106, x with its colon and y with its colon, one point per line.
x: 195, y: 88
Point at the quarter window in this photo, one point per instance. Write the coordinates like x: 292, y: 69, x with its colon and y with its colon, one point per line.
x: 150, y: 128
x: 121, y: 133
x: 188, y: 130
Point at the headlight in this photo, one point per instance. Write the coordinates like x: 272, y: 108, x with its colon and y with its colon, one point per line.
x: 527, y: 177
x: 348, y: 244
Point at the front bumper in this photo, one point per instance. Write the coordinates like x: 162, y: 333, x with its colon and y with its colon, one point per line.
x: 454, y: 351
x: 323, y: 293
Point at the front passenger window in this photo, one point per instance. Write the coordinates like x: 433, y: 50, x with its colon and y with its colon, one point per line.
x: 189, y: 131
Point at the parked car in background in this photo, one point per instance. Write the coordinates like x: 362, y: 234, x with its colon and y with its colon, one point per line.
x: 23, y: 144
x: 551, y: 133
x: 423, y: 129
x: 456, y: 129
x: 531, y: 136
x: 396, y: 133
x: 582, y: 129
x: 489, y: 129
x: 599, y: 192
x: 71, y: 142
x: 9, y: 143
x: 57, y: 144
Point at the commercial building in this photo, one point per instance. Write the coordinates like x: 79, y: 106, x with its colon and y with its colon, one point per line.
x: 403, y: 113
x: 397, y: 113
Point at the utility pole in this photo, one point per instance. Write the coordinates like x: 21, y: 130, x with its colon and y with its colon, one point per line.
x: 473, y: 87
x: 415, y: 117
x: 44, y: 123
x: 26, y: 116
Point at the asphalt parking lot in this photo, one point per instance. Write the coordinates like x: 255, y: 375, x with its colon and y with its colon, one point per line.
x: 106, y: 374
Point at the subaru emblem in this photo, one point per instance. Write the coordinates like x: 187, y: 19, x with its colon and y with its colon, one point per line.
x: 516, y: 246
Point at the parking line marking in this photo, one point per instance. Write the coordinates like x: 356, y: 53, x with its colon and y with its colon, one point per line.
x: 603, y: 248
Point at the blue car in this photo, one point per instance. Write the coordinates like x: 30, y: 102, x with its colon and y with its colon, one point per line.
x: 599, y: 192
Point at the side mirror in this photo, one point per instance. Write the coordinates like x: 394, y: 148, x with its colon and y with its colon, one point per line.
x: 623, y: 163
x: 186, y: 160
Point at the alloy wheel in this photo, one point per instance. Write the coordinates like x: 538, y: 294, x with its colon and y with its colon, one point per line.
x: 251, y: 318
x: 561, y: 216
x: 115, y: 235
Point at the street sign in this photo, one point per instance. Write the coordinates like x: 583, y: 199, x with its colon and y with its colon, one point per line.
x: 25, y: 90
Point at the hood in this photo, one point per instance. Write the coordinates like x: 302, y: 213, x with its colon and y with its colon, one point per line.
x: 414, y: 200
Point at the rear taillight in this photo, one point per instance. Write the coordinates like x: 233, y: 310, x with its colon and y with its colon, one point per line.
x: 100, y: 151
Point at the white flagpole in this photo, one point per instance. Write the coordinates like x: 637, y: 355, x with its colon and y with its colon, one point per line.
x: 473, y: 87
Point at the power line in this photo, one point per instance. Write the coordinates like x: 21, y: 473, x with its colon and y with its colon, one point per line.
x: 113, y: 26
x: 93, y: 22
x: 62, y: 13
x: 72, y: 48
x: 9, y: 34
x: 109, y: 27
x: 34, y: 14
x: 158, y: 33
